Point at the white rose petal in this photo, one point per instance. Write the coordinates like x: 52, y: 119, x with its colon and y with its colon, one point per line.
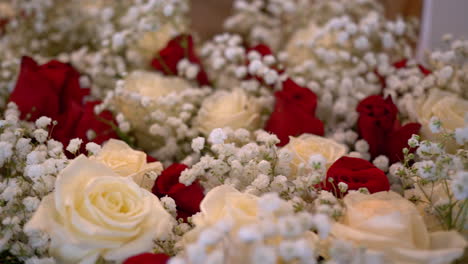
x: 127, y: 162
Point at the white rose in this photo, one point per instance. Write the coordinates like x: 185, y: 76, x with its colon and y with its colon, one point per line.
x: 93, y: 212
x: 390, y: 224
x: 151, y: 86
x: 299, y: 49
x: 437, y: 193
x: 306, y: 145
x: 226, y: 202
x: 151, y: 42
x: 127, y: 162
x: 233, y: 109
x: 449, y: 108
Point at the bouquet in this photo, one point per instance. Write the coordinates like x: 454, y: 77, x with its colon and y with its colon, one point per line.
x: 305, y: 133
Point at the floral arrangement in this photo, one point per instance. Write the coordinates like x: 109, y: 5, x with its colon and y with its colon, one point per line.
x: 306, y: 133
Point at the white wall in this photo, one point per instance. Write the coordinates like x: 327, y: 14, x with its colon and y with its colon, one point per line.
x: 440, y: 17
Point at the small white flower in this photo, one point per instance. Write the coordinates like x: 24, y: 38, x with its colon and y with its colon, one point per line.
x: 43, y: 122
x: 249, y: 234
x: 361, y: 43
x: 317, y: 161
x: 361, y: 146
x: 426, y: 169
x: 261, y: 182
x: 289, y: 226
x: 435, y: 125
x: 343, y: 187
x: 6, y: 151
x: 31, y: 203
x: 460, y: 185
x: 198, y: 144
x: 217, y: 136
x: 322, y: 224
x: 381, y: 162
x: 264, y: 255
x: 34, y: 171
x: 40, y: 135
x: 74, y: 145
x: 93, y: 148
x: 413, y: 141
x: 287, y: 250
x: 169, y: 204
x: 270, y: 202
x: 461, y: 135
x: 209, y: 236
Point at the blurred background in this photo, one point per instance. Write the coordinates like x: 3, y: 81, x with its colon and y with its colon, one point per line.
x: 208, y: 15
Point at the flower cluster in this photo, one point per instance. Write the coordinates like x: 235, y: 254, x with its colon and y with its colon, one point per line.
x: 306, y: 133
x: 157, y: 111
x: 126, y: 37
x: 30, y: 162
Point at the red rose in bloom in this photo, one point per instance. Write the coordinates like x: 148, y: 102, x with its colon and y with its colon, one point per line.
x: 177, y: 49
x: 379, y: 126
x: 47, y: 89
x: 294, y: 113
x: 53, y: 90
x: 376, y: 119
x: 187, y: 198
x: 148, y: 258
x: 356, y: 173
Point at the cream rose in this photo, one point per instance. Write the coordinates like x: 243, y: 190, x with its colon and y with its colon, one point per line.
x: 94, y: 212
x: 306, y: 145
x: 127, y: 162
x: 226, y: 202
x: 390, y: 224
x: 449, y: 108
x: 299, y: 49
x: 150, y: 42
x: 437, y: 193
x: 151, y: 86
x: 233, y: 109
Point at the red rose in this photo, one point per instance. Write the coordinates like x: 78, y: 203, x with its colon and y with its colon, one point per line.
x: 294, y: 113
x: 398, y: 140
x: 376, y: 120
x: 177, y: 49
x: 58, y: 95
x: 99, y: 124
x: 148, y: 258
x: 262, y: 49
x: 187, y: 198
x: 379, y: 126
x: 46, y: 90
x: 356, y: 173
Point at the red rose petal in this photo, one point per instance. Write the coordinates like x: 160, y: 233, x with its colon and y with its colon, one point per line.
x: 294, y: 113
x: 356, y: 173
x: 148, y: 258
x: 399, y: 140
